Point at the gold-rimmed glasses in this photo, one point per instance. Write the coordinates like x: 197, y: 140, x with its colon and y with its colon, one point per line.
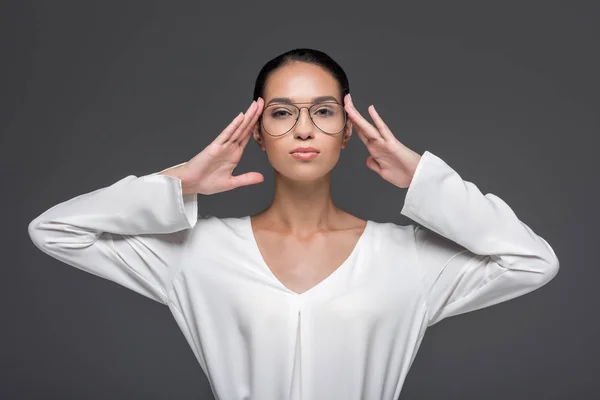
x: 280, y: 118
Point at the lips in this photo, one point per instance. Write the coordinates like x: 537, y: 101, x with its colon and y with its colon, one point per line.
x: 305, y: 150
x: 305, y: 155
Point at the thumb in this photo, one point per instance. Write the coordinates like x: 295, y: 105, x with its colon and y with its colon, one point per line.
x: 246, y: 179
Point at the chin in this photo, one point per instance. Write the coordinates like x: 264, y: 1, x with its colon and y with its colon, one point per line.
x: 305, y: 172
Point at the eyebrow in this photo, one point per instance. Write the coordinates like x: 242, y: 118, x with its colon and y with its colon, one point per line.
x: 287, y: 100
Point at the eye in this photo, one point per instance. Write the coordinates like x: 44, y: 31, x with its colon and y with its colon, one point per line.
x: 325, y: 111
x: 280, y: 113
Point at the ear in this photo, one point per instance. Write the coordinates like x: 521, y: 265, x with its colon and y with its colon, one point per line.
x: 257, y: 135
x: 347, y: 133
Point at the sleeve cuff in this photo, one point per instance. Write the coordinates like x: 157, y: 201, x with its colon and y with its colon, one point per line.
x: 414, y: 193
x: 188, y: 204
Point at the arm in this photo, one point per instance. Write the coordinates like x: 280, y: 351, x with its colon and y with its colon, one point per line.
x: 132, y: 232
x: 473, y: 251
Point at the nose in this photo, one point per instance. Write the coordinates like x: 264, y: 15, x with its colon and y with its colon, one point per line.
x: 304, y: 126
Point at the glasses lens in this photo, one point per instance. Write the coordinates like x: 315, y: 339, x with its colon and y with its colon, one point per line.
x: 278, y: 119
x: 329, y: 117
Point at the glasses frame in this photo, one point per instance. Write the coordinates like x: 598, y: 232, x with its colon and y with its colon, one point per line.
x: 309, y: 116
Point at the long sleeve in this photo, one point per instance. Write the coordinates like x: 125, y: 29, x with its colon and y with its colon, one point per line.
x: 473, y: 251
x: 132, y: 232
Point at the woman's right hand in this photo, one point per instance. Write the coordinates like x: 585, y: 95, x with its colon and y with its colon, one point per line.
x: 210, y: 171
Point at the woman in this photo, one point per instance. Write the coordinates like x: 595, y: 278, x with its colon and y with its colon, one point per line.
x: 303, y: 300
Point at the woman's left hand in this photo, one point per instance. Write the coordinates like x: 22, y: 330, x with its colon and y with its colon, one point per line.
x: 392, y: 160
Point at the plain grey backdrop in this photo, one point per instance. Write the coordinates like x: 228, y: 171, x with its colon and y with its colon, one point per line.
x: 505, y: 92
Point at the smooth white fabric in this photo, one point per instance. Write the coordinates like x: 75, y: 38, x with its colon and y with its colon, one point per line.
x: 352, y: 336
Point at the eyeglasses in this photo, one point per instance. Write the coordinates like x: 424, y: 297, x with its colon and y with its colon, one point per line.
x: 279, y: 119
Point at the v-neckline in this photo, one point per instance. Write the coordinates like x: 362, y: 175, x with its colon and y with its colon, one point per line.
x: 269, y: 271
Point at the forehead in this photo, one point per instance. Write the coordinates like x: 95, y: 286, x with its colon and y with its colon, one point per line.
x: 301, y: 82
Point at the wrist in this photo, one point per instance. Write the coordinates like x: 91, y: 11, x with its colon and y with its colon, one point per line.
x: 179, y: 172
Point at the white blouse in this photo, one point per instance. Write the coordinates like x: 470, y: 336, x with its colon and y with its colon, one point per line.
x: 352, y: 336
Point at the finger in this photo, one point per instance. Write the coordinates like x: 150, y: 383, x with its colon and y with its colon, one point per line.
x: 231, y: 128
x: 243, y: 137
x: 225, y: 136
x: 244, y: 141
x: 359, y: 131
x: 383, y: 128
x: 369, y: 130
x: 371, y: 163
x: 247, y: 120
x: 361, y: 135
x: 246, y: 138
x: 242, y: 133
x: 233, y: 125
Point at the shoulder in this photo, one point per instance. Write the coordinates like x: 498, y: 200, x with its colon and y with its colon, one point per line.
x: 390, y: 233
x: 392, y: 227
x: 218, y: 226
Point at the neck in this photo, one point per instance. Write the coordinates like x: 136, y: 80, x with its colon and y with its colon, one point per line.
x: 302, y: 209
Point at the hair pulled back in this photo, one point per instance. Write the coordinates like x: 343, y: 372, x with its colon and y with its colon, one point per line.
x: 302, y: 55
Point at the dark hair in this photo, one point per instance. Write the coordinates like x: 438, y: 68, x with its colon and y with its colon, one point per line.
x: 302, y: 55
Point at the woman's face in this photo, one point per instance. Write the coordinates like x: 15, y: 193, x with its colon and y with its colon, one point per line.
x: 301, y: 82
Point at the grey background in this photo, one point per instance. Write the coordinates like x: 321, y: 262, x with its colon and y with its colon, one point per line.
x: 505, y: 92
